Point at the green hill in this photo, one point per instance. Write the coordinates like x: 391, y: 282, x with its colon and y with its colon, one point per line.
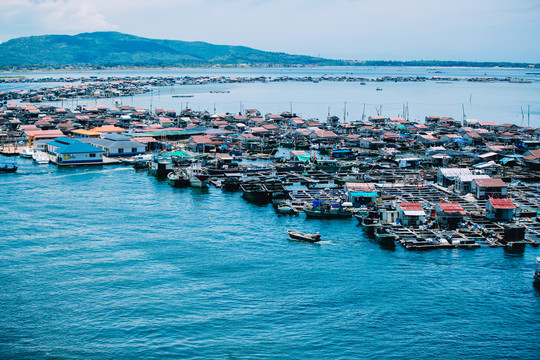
x: 111, y: 49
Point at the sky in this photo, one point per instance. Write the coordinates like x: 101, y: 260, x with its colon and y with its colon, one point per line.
x: 471, y: 30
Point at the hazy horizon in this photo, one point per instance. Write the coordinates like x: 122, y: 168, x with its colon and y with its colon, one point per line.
x: 460, y: 30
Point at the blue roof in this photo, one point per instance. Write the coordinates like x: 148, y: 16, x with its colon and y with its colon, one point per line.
x: 71, y: 146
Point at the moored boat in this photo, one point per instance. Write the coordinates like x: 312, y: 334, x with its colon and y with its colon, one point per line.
x: 27, y: 153
x: 41, y: 158
x: 327, y: 211
x: 198, y: 176
x: 178, y: 178
x: 296, y: 235
x: 160, y: 167
x: 385, y: 235
x: 254, y: 191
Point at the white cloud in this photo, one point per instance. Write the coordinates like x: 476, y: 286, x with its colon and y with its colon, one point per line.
x: 27, y: 17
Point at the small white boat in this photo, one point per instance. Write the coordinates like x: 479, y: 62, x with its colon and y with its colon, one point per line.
x: 27, y: 153
x: 40, y: 157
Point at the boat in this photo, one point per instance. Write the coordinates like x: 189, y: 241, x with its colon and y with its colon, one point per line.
x: 379, y: 89
x: 8, y: 167
x: 284, y: 207
x: 254, y: 191
x: 141, y: 164
x: 160, y: 167
x: 178, y: 178
x: 326, y: 211
x: 536, y: 279
x: 27, y: 153
x: 296, y: 235
x: 385, y: 235
x: 198, y: 176
x: 138, y: 158
x: 41, y: 158
x: 232, y: 182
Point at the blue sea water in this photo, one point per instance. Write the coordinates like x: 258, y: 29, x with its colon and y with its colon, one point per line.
x: 112, y: 263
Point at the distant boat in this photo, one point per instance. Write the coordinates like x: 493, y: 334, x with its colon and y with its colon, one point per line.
x: 182, y: 96
x: 379, y: 89
x: 296, y: 235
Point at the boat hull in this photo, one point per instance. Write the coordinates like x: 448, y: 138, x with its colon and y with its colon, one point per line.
x: 295, y: 235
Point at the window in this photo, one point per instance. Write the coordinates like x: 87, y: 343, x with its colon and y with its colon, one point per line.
x: 120, y: 151
x: 92, y: 155
x: 133, y: 150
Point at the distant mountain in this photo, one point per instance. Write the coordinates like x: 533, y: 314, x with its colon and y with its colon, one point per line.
x: 110, y: 49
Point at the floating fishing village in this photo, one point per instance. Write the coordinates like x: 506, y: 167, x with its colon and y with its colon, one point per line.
x: 438, y: 184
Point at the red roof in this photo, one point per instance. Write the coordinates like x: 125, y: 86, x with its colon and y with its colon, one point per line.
x: 451, y: 208
x: 411, y: 206
x: 489, y: 183
x: 502, y: 204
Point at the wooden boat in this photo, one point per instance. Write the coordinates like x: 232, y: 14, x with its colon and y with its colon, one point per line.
x: 326, y: 211
x: 231, y: 182
x: 284, y: 207
x: 295, y: 235
x: 254, y: 191
x: 384, y: 235
x: 8, y: 167
x: 141, y: 164
x: 178, y: 178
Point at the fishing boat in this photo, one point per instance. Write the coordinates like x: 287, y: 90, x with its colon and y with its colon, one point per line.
x: 27, y: 153
x: 327, y: 211
x: 178, y: 178
x: 254, y: 191
x: 536, y: 280
x: 284, y: 207
x: 160, y: 167
x: 295, y: 235
x: 232, y: 182
x: 198, y: 176
x: 385, y: 235
x: 8, y: 167
x: 40, y: 157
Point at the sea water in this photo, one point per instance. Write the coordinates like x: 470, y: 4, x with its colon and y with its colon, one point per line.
x: 112, y: 263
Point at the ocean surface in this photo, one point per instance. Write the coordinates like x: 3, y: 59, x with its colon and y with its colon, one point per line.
x: 112, y: 263
x: 502, y: 102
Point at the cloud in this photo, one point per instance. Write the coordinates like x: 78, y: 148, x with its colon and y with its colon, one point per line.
x: 36, y: 17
